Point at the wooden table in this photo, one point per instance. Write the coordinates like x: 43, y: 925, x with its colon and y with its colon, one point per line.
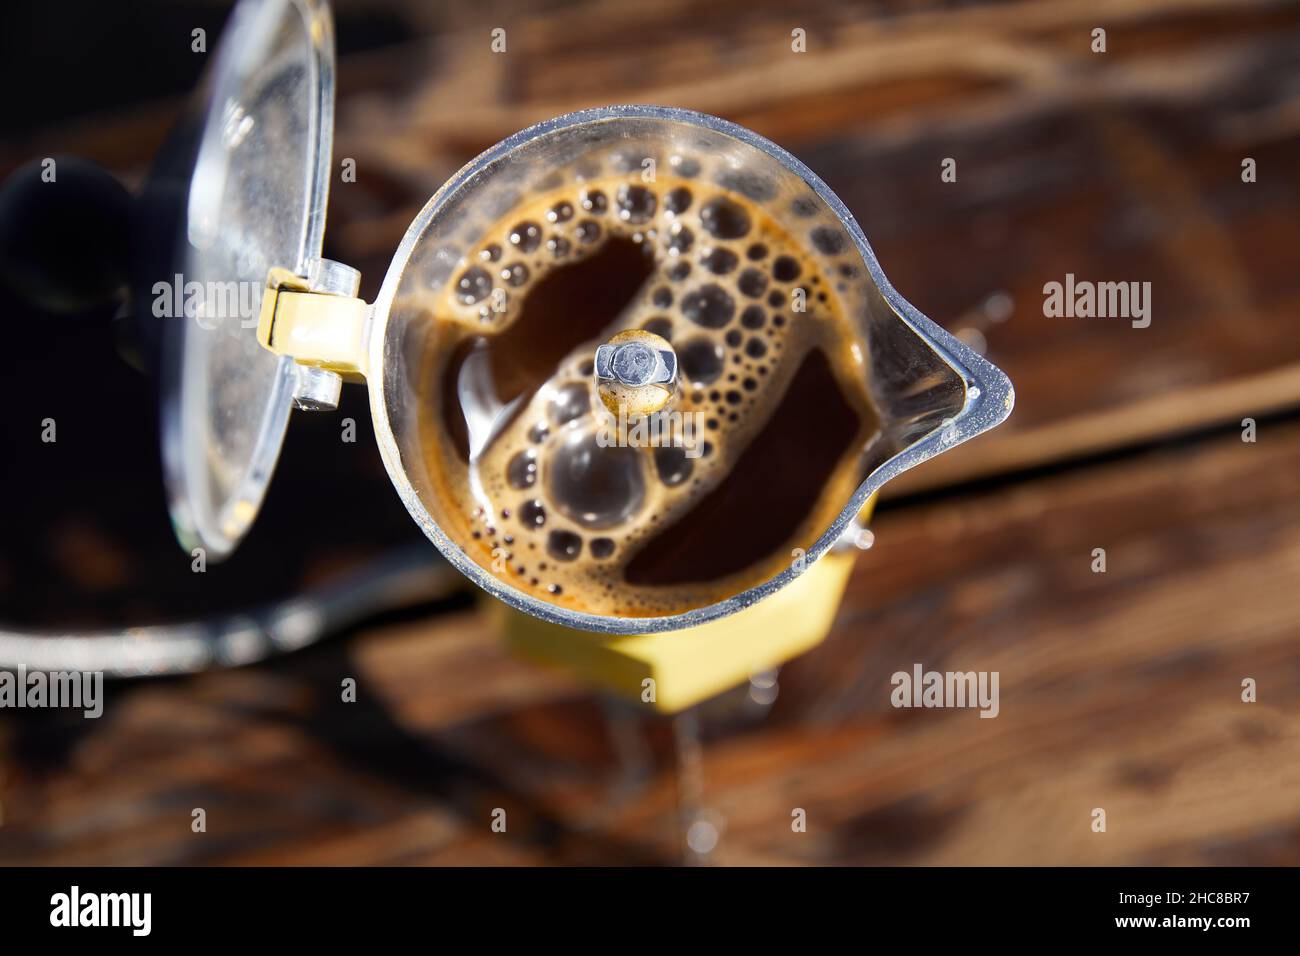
x: 1120, y: 690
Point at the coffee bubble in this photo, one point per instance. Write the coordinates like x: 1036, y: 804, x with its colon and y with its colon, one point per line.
x: 526, y: 236
x: 594, y: 486
x: 752, y: 283
x: 570, y: 402
x: 678, y: 200
x: 724, y: 218
x: 719, y: 261
x: 563, y: 545
x: 474, y: 285
x: 532, y: 513
x: 636, y: 204
x: 828, y: 240
x: 700, y: 360
x: 661, y: 327
x: 709, y: 306
x: 522, y: 470
x: 672, y: 465
x: 678, y: 238
x: 785, y: 269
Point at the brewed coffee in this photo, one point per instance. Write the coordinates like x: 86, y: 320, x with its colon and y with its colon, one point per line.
x: 771, y: 367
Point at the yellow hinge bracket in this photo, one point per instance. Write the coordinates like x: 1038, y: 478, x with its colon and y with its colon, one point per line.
x: 319, y: 328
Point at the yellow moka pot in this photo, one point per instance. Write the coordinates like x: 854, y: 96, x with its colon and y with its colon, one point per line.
x: 254, y: 213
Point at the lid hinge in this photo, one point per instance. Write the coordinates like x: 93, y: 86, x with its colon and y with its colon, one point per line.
x: 319, y: 322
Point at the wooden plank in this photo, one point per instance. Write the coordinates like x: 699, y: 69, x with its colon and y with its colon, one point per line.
x: 1119, y: 167
x: 1123, y: 167
x: 1118, y: 690
x: 1121, y: 690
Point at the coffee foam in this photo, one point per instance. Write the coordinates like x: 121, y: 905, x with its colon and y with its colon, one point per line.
x: 540, y: 502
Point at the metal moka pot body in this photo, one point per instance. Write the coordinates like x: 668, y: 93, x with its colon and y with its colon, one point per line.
x: 931, y: 390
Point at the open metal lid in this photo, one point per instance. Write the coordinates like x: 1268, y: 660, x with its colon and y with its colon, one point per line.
x: 256, y: 200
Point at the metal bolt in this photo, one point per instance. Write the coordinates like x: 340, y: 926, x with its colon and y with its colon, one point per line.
x: 316, y: 389
x: 635, y: 371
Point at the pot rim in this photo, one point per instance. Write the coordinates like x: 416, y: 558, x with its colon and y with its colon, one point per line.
x: 989, y: 395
